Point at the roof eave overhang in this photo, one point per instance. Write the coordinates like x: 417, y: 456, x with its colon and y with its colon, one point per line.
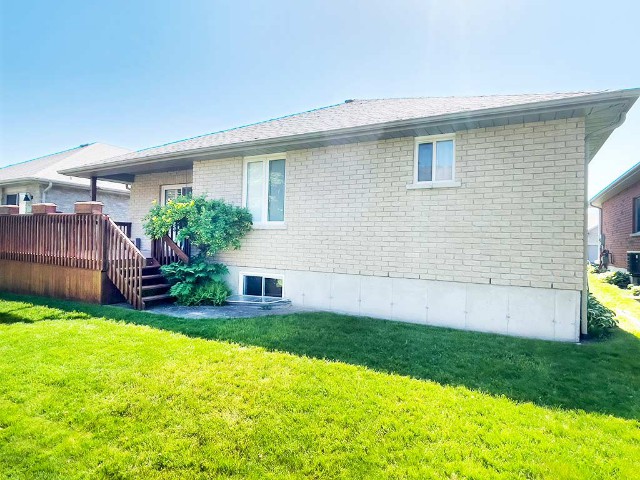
x: 46, y: 181
x: 601, y: 110
x: 620, y: 184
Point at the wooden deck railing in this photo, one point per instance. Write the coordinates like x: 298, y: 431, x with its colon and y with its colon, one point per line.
x: 169, y: 249
x: 166, y: 251
x: 88, y: 241
x: 125, y: 227
x: 67, y: 240
x: 125, y: 264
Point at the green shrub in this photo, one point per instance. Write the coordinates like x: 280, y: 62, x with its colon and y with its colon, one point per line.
x: 619, y: 279
x: 595, y: 268
x: 635, y: 290
x: 210, y: 225
x: 600, y: 319
x: 197, y: 283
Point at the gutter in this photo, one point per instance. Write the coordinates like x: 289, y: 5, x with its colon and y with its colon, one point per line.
x: 44, y: 192
x: 372, y: 130
x: 63, y: 183
x: 609, y: 128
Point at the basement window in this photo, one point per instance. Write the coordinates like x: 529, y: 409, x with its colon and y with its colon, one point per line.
x: 261, y: 286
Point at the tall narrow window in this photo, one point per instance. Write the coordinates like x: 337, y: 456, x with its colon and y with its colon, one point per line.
x: 255, y: 188
x: 435, y: 159
x: 276, y: 191
x: 265, y: 188
x: 636, y: 215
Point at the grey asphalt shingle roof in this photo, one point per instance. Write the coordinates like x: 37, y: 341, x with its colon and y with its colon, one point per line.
x: 355, y: 113
x: 46, y: 168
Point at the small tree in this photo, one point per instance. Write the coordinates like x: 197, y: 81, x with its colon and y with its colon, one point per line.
x: 210, y: 225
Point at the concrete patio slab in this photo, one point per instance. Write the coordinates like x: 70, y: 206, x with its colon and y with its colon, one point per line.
x: 225, y: 311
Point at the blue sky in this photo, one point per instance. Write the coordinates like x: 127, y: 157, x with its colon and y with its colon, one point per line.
x: 141, y: 73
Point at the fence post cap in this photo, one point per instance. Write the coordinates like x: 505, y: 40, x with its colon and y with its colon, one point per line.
x: 88, y: 207
x: 9, y: 209
x: 43, y: 208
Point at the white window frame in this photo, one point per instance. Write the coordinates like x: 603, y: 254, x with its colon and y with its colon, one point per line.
x: 433, y: 183
x: 265, y: 159
x: 277, y: 276
x: 172, y: 187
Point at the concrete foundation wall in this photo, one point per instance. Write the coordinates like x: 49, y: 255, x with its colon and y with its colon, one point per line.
x: 544, y: 313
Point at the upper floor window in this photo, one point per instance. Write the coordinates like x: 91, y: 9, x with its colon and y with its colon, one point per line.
x: 434, y: 159
x: 636, y: 215
x: 264, y: 188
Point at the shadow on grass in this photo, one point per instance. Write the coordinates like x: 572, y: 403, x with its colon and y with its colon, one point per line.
x: 9, y: 317
x: 596, y: 377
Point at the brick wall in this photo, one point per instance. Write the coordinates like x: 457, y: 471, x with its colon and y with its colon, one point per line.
x: 517, y: 219
x: 617, y: 225
x: 117, y: 206
x: 144, y: 191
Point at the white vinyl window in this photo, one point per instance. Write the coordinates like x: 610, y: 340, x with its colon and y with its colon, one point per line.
x: 434, y: 160
x: 259, y: 285
x: 264, y: 189
x: 171, y: 192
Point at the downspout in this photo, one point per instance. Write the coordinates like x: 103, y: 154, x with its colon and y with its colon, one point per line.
x: 585, y: 283
x: 44, y: 192
x: 600, y: 245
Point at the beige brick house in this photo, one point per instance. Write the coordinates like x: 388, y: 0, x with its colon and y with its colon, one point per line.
x: 466, y: 212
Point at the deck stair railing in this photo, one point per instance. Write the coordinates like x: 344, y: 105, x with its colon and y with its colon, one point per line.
x: 169, y: 249
x: 125, y: 263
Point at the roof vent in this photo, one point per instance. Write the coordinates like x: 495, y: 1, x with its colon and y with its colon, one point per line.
x: 83, y: 145
x: 348, y: 101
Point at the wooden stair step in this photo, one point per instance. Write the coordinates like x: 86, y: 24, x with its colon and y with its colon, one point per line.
x: 156, y: 298
x: 155, y: 286
x: 153, y: 276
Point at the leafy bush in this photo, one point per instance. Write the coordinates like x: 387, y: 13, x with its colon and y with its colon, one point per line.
x: 197, y: 283
x: 619, y: 279
x: 635, y: 290
x: 595, y: 268
x: 210, y: 225
x: 600, y: 319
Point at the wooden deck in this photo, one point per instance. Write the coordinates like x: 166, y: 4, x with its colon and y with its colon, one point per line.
x: 82, y: 256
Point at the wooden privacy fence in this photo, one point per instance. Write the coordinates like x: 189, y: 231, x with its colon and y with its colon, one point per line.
x: 88, y: 241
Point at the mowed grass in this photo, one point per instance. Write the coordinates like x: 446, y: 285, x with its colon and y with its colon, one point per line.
x: 102, y: 392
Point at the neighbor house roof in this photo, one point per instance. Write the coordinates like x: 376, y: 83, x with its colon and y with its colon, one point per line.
x: 624, y: 181
x: 361, y: 120
x: 46, y: 168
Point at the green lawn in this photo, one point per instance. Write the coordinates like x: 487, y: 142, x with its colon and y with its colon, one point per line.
x: 89, y: 391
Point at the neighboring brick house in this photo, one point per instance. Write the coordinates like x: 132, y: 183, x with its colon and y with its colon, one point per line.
x: 38, y: 181
x: 619, y: 205
x: 441, y: 211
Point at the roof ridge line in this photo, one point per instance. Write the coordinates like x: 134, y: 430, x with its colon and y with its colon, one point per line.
x: 84, y: 145
x: 238, y: 127
x: 588, y: 92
